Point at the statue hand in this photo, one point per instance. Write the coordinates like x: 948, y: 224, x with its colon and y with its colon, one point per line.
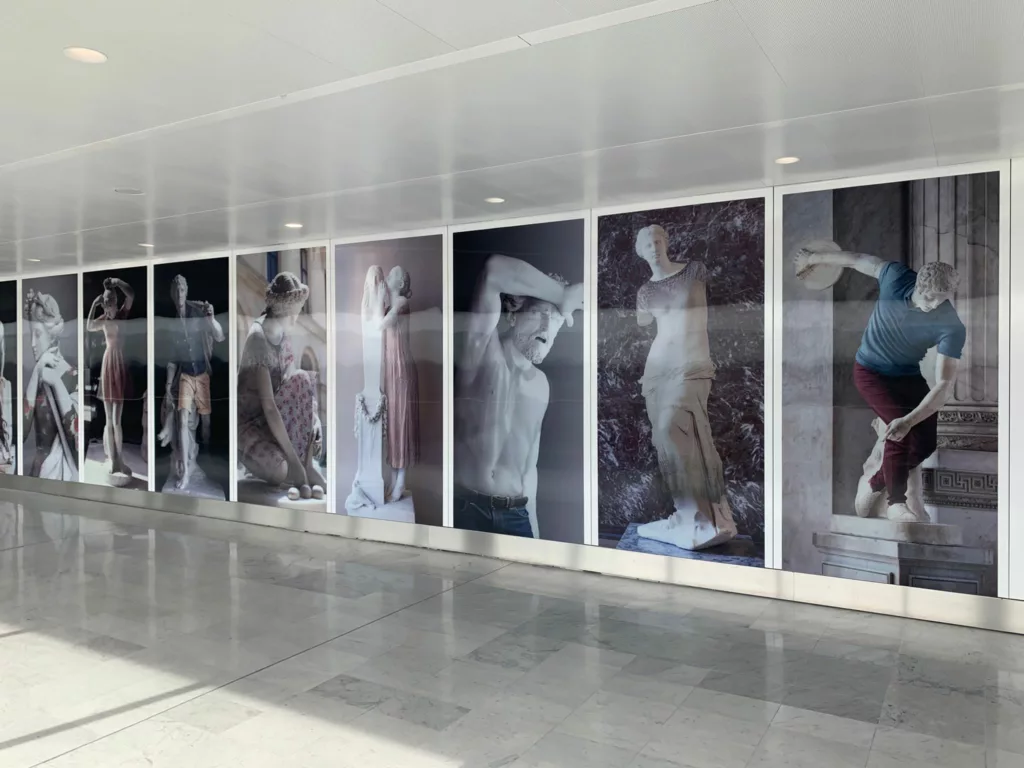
x: 296, y: 475
x: 572, y: 300
x: 897, y: 430
x: 803, y: 260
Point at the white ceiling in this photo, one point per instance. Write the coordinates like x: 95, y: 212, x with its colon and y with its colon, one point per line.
x: 359, y: 116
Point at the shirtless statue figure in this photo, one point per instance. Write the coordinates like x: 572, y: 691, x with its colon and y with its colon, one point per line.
x: 502, y: 395
x: 676, y: 384
x: 913, y: 314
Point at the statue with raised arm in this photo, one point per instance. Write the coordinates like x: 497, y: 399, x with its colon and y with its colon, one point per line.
x: 676, y: 384
x: 914, y: 313
x: 502, y: 395
x: 115, y: 382
x: 187, y: 402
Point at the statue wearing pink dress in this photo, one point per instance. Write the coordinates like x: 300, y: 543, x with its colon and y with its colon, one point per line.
x: 401, y: 385
x: 115, y: 384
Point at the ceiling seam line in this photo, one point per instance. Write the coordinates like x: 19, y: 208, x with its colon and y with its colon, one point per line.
x: 757, y: 42
x: 401, y: 15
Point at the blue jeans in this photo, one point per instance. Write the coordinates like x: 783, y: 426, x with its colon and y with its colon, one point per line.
x: 472, y: 514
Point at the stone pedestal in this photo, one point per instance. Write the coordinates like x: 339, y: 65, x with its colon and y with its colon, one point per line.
x: 199, y: 486
x: 923, y: 555
x: 368, y: 490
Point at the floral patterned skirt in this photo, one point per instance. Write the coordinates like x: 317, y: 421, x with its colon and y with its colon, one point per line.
x: 296, y: 400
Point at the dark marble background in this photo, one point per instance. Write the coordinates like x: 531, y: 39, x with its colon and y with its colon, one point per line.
x: 728, y: 238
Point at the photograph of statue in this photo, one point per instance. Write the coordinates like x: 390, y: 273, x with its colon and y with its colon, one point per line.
x: 8, y: 376
x: 190, y: 317
x: 389, y: 335
x: 892, y: 295
x: 681, y: 381
x: 116, y: 360
x: 50, y: 376
x: 518, y: 294
x: 281, y: 397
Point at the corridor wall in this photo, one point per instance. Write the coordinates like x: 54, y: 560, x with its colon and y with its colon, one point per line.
x: 648, y: 391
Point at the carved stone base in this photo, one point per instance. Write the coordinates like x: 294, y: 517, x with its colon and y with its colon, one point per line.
x: 967, y: 570
x: 915, y: 533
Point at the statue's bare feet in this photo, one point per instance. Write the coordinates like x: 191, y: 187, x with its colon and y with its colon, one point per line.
x: 688, y: 530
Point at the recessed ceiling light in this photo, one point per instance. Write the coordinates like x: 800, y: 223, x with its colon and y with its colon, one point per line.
x: 85, y: 55
x: 494, y: 200
x: 145, y: 245
x: 35, y: 260
x: 128, y: 191
x: 788, y: 160
x: 293, y: 225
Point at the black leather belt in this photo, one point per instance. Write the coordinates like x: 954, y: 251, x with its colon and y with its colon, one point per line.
x: 494, y: 502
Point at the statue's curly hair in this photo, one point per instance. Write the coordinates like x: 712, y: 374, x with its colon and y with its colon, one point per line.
x: 937, y: 277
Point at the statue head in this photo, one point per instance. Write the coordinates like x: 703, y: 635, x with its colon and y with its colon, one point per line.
x: 399, y: 283
x: 531, y: 324
x: 286, y: 295
x: 936, y: 284
x: 109, y: 299
x: 652, y: 244
x: 179, y: 290
x: 45, y: 321
x: 375, y: 291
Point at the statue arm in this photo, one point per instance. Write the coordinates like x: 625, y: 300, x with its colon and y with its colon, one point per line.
x: 530, y: 478
x: 864, y: 263
x: 513, y: 277
x: 390, y: 319
x: 216, y: 330
x: 945, y: 379
x: 92, y: 324
x: 128, y: 291
x: 530, y: 485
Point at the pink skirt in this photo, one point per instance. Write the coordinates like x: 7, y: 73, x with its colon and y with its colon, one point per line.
x: 401, y: 388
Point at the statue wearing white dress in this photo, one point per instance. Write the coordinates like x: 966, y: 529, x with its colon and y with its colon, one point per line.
x: 382, y: 374
x: 676, y: 383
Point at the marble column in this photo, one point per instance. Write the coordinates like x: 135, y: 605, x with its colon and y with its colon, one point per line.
x: 807, y: 391
x: 955, y: 220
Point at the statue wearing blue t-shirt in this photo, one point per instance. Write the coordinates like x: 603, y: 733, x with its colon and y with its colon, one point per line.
x: 914, y: 313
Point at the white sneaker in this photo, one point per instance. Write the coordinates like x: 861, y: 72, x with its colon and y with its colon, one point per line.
x: 866, y: 499
x: 901, y: 513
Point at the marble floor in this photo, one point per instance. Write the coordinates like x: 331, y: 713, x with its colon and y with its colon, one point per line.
x: 134, y: 638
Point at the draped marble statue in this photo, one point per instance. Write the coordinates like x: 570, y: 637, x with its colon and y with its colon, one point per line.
x: 676, y: 384
x: 386, y: 415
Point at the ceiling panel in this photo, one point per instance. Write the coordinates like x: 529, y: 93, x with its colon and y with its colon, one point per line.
x: 167, y: 62
x: 358, y: 35
x: 982, y: 125
x: 465, y: 23
x: 966, y: 44
x: 838, y: 55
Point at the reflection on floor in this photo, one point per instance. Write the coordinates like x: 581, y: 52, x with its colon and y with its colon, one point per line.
x: 135, y: 638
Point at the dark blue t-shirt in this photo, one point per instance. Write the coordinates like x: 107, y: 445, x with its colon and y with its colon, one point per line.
x: 898, y: 334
